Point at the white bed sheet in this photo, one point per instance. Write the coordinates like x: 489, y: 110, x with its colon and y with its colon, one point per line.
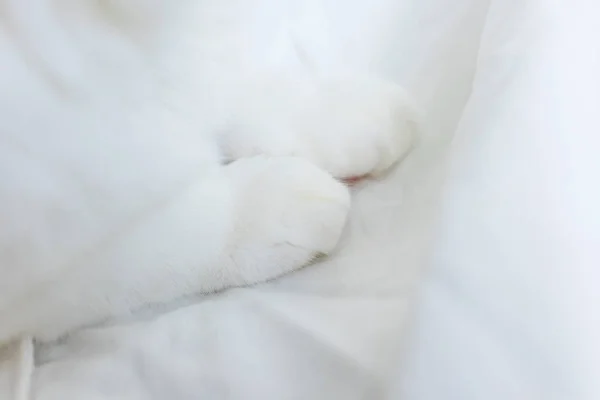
x: 332, y: 331
x: 509, y: 308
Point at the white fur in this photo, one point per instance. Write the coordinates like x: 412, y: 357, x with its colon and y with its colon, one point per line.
x: 115, y: 116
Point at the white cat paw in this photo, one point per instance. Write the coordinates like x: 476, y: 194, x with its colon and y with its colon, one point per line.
x: 350, y: 128
x: 289, y: 211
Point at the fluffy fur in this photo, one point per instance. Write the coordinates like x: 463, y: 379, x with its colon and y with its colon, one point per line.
x: 116, y: 119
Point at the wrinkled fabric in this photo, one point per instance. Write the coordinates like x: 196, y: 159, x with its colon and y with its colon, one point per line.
x: 508, y: 308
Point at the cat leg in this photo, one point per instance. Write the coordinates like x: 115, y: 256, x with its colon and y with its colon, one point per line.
x: 350, y: 127
x: 248, y: 222
x: 289, y: 211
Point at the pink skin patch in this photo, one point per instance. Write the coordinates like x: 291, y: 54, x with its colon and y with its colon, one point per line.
x: 353, y: 180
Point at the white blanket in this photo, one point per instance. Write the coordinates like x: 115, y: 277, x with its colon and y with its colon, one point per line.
x: 332, y: 330
x: 509, y: 308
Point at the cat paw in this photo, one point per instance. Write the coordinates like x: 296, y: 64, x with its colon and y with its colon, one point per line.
x: 350, y: 128
x: 289, y: 212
